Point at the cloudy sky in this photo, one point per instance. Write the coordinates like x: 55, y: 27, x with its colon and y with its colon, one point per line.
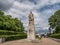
x: 42, y: 10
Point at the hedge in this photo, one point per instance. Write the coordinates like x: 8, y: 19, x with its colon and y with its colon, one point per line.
x: 55, y: 36
x: 16, y: 37
x: 5, y: 32
x: 13, y: 37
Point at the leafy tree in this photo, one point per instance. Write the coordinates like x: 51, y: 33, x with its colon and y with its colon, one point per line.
x: 9, y: 23
x: 54, y: 21
x: 1, y: 12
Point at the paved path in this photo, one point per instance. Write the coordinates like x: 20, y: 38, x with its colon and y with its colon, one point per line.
x: 43, y: 41
x: 47, y: 41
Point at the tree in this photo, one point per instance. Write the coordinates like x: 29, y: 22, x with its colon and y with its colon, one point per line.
x: 54, y: 21
x: 1, y: 12
x: 9, y: 23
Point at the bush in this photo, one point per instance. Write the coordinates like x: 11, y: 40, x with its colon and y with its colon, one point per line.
x: 6, y: 32
x: 37, y: 37
x: 11, y: 35
x: 55, y: 36
x: 15, y: 37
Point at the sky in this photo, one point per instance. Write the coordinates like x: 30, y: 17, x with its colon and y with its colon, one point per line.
x: 42, y: 10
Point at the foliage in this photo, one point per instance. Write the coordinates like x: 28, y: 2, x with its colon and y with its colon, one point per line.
x: 6, y: 32
x: 9, y: 23
x: 11, y: 28
x: 1, y: 12
x: 14, y: 37
x: 54, y: 21
x: 55, y: 36
x: 37, y: 37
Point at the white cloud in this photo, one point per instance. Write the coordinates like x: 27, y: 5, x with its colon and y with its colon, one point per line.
x: 21, y: 10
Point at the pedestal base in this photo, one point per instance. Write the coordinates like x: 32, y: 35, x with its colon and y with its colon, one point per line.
x: 34, y: 40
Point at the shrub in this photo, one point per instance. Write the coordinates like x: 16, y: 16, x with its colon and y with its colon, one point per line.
x: 55, y: 36
x: 6, y: 32
x: 11, y: 35
x: 15, y: 37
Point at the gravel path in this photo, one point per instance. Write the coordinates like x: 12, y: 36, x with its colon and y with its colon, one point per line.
x: 43, y: 41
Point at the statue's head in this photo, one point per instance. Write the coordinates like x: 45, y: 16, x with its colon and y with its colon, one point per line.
x: 31, y: 13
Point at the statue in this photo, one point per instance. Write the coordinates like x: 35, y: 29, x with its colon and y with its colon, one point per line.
x: 31, y: 30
